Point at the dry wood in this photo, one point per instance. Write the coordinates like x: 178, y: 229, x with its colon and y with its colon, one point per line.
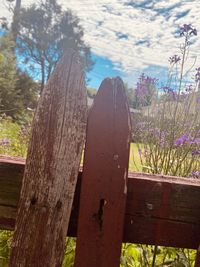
x: 51, y: 168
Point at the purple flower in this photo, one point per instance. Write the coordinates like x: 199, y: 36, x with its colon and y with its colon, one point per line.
x: 4, y: 142
x: 187, y: 139
x: 182, y: 140
x: 196, y: 174
x: 168, y: 90
x: 198, y: 100
x: 187, y: 29
x: 195, y: 153
x: 174, y: 59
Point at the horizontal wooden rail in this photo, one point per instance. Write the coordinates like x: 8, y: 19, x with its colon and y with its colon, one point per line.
x: 160, y: 210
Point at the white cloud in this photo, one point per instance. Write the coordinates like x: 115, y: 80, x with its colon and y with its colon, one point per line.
x: 151, y: 26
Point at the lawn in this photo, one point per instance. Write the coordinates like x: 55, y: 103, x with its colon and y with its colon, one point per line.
x: 134, y: 159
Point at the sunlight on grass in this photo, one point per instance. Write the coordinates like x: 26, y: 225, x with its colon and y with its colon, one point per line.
x: 134, y: 159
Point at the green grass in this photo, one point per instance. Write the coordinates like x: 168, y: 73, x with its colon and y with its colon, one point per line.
x: 17, y: 145
x: 134, y: 159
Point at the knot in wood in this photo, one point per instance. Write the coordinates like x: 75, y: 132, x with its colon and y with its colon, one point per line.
x: 33, y: 200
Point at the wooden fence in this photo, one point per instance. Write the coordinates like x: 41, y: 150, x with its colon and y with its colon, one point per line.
x: 112, y: 205
x: 159, y: 209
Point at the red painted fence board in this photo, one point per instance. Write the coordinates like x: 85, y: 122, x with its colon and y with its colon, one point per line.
x: 104, y: 181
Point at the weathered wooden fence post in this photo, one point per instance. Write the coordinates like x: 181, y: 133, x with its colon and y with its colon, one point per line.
x: 104, y: 181
x: 51, y: 168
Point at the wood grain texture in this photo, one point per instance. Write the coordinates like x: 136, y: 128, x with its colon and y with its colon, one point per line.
x: 104, y: 179
x: 52, y: 166
x: 148, y: 220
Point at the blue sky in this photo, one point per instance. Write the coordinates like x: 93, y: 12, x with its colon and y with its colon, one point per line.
x: 130, y: 37
x: 103, y: 68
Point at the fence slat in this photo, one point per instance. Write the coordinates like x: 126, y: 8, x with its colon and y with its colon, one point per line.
x: 51, y: 168
x: 104, y: 181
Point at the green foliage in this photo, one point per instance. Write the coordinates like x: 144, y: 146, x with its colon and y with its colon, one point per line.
x: 8, y: 94
x: 5, y: 242
x: 142, y: 256
x: 45, y: 33
x: 130, y: 256
x: 69, y: 256
x: 17, y: 90
x: 28, y: 95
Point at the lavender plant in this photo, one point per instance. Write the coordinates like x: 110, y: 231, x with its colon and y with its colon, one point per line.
x: 169, y: 132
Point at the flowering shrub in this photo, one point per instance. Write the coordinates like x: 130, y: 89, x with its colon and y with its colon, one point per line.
x: 168, y: 140
x: 169, y: 132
